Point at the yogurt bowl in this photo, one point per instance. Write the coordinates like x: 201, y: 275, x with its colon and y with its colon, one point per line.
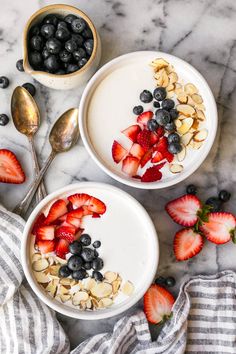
x: 129, y: 249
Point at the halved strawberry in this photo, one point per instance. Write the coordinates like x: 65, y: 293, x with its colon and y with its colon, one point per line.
x: 162, y: 145
x: 57, y: 209
x: 152, y: 174
x: 158, y: 156
x: 79, y: 199
x: 219, y: 228
x: 87, y: 211
x: 96, y: 206
x: 96, y: 215
x: 153, y: 138
x: 144, y: 117
x: 137, y: 151
x: 147, y: 157
x: 38, y: 222
x: 10, y: 168
x: 143, y: 139
x: 184, y: 210
x: 187, y: 243
x: 118, y: 152
x: 66, y: 232
x: 160, y: 131
x: 62, y: 248
x: 44, y: 233
x: 130, y: 165
x: 74, y: 217
x: 158, y: 303
x: 73, y: 221
x: 169, y: 157
x: 46, y: 246
x: 132, y: 132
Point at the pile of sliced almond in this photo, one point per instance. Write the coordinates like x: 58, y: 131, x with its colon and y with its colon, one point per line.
x: 87, y: 294
x: 190, y: 122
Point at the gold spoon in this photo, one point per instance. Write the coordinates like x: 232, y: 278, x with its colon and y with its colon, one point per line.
x: 26, y: 118
x: 64, y: 134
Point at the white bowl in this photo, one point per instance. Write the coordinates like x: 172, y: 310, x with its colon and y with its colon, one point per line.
x: 141, y: 217
x: 101, y: 154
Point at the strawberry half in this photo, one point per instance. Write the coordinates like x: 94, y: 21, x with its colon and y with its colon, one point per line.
x: 57, y: 209
x: 79, y: 199
x: 158, y: 156
x: 144, y: 117
x: 45, y: 233
x: 46, y: 246
x: 118, y: 152
x: 187, y: 244
x: 38, y: 222
x: 143, y: 139
x: 10, y: 168
x: 219, y: 228
x: 146, y: 157
x: 162, y: 145
x: 130, y: 165
x: 153, y: 138
x: 184, y: 210
x: 74, y: 217
x: 132, y: 132
x: 137, y: 151
x: 152, y: 174
x: 66, y: 232
x: 158, y: 303
x: 95, y: 205
x: 62, y: 248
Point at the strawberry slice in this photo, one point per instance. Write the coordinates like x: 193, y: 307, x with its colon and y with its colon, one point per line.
x: 87, y: 211
x: 137, y: 151
x: 118, y: 152
x: 157, y: 157
x: 160, y: 131
x: 184, y: 210
x: 169, y: 156
x: 162, y: 145
x: 45, y: 233
x: 10, y: 168
x: 187, y: 244
x: 38, y: 222
x: 58, y: 208
x: 132, y: 132
x: 70, y: 219
x: 158, y: 303
x: 152, y: 174
x: 79, y: 199
x: 96, y: 206
x: 144, y: 117
x: 143, y: 139
x: 130, y: 165
x: 62, y: 248
x: 46, y: 246
x: 219, y: 228
x: 66, y: 233
x: 147, y: 157
x: 153, y: 138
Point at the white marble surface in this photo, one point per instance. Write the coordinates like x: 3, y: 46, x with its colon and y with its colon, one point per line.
x: 201, y: 32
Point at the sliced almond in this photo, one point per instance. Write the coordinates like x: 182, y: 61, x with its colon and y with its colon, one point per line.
x: 190, y: 101
x: 36, y: 257
x: 41, y: 277
x: 197, y: 98
x: 89, y: 283
x: 116, y: 286
x: 110, y: 276
x: 182, y: 97
x: 54, y: 269
x: 62, y: 290
x: 76, y: 287
x: 127, y: 288
x: 190, y: 89
x: 186, y: 125
x: 170, y: 69
x: 40, y: 265
x: 101, y: 290
x: 67, y: 281
x: 159, y: 63
x: 60, y: 260
x: 165, y: 79
x: 79, y: 296
x: 201, y: 135
x: 65, y: 297
x: 200, y: 115
x: 173, y: 77
x: 197, y: 144
x: 201, y: 107
x: 89, y: 303
x: 178, y: 123
x: 186, y: 138
x: 181, y: 155
x: 181, y: 117
x: 178, y: 88
x: 51, y: 260
x: 185, y: 109
x: 175, y: 168
x: 106, y: 302
x: 95, y: 303
x: 51, y: 288
x: 170, y: 87
x: 170, y: 94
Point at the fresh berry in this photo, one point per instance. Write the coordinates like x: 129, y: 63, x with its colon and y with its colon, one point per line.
x: 137, y: 151
x: 88, y: 45
x: 64, y: 271
x: 36, y: 43
x: 224, y: 196
x: 79, y: 54
x: 154, y: 138
x: 162, y: 117
x: 157, y: 157
x: 158, y: 303
x: 97, y: 264
x: 62, y: 34
x: 65, y: 56
x: 87, y: 265
x: 62, y: 248
x: 219, y: 228
x: 52, y: 63
x: 30, y: 88
x: 173, y: 138
x: 138, y: 110
x: 4, y: 119
x: 78, y: 39
x: 87, y: 33
x: 73, y: 220
x: 38, y: 222
x: 57, y: 209
x: 53, y: 45
x: 45, y: 233
x: 4, y: 82
x: 51, y: 19
x: 66, y: 233
x: 79, y: 274
x: 97, y: 244
x: 118, y: 152
x: 96, y: 254
x: 34, y: 31
x: 85, y: 239
x: 75, y: 247
x: 159, y: 93
x: 187, y: 244
x: 215, y: 204
x: 146, y: 96
x: 162, y: 145
x: 97, y: 275
x: 146, y: 157
x: 184, y: 210
x: 82, y: 62
x: 96, y: 206
x: 174, y: 113
x: 169, y: 157
x: 62, y: 24
x: 130, y: 165
x: 10, y: 168
x: 75, y: 262
x: 19, y: 65
x: 144, y: 117
x: 152, y: 174
x: 160, y: 280
x: 152, y: 125
x: 78, y: 200
x: 35, y: 59
x: 87, y: 254
x: 170, y: 281
x: 71, y: 68
x: 132, y: 132
x: 156, y: 104
x: 46, y: 246
x: 160, y: 131
x: 191, y: 189
x: 143, y: 139
x: 167, y: 104
x: 170, y: 127
x: 78, y: 25
x: 174, y: 148
x: 47, y: 30
x: 69, y: 18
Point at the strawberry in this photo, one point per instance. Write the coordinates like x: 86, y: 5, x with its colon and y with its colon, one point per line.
x: 132, y: 132
x: 57, y: 209
x: 96, y: 206
x: 143, y: 139
x: 157, y: 157
x: 219, y: 228
x: 184, y: 210
x: 160, y: 131
x: 96, y: 215
x: 152, y: 174
x: 78, y: 199
x: 158, y: 303
x: 144, y: 117
x: 162, y: 145
x: 187, y: 243
x: 10, y: 168
x: 73, y: 221
x: 137, y: 151
x: 45, y: 233
x: 38, y: 222
x: 46, y: 246
x: 62, y: 248
x: 118, y: 152
x: 130, y: 165
x: 147, y: 157
x: 153, y: 138
x: 66, y: 232
x: 169, y: 156
x: 87, y: 211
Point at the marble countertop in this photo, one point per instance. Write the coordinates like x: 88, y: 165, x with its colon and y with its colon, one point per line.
x: 200, y: 32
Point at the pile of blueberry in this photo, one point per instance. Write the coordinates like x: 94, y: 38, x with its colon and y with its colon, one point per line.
x: 60, y: 45
x: 169, y: 281
x: 165, y: 116
x: 83, y: 258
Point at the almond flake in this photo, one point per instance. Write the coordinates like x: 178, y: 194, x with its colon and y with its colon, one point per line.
x: 79, y: 296
x: 181, y: 155
x: 89, y: 283
x: 127, y: 288
x: 178, y: 123
x: 40, y: 265
x: 60, y: 260
x: 190, y: 89
x: 65, y: 297
x: 106, y: 302
x: 116, y: 286
x: 201, y: 107
x: 200, y: 115
x: 62, y: 290
x: 159, y: 63
x: 186, y: 125
x: 89, y: 303
x: 36, y: 257
x: 197, y: 144
x: 178, y: 88
x: 195, y: 124
x: 185, y: 109
x: 101, y: 290
x: 170, y: 87
x: 182, y: 97
x: 51, y: 260
x: 191, y: 101
x: 175, y: 168
x: 186, y: 138
x: 54, y: 269
x: 110, y: 276
x: 41, y: 277
x: 170, y: 69
x: 201, y: 135
x: 94, y: 303
x: 197, y: 98
x: 173, y: 77
x: 67, y: 281
x: 51, y: 288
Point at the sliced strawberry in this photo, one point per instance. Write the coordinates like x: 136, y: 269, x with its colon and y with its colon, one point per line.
x: 157, y: 157
x: 57, y: 209
x: 118, y: 152
x: 162, y: 145
x: 10, y: 168
x: 184, y: 210
x: 96, y: 206
x: 132, y: 132
x: 160, y: 131
x: 76, y: 213
x: 158, y: 303
x: 87, y: 211
x: 220, y: 227
x: 62, y: 248
x: 169, y: 157
x: 46, y: 246
x: 152, y: 174
x: 143, y: 139
x: 147, y: 157
x: 96, y: 215
x: 79, y: 199
x: 38, y: 222
x: 130, y: 165
x: 45, y: 233
x: 144, y: 117
x: 137, y: 151
x: 66, y: 232
x: 73, y: 221
x: 78, y: 233
x: 187, y: 244
x: 153, y: 138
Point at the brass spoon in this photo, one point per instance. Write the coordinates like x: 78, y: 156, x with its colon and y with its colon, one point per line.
x: 26, y: 118
x: 64, y: 134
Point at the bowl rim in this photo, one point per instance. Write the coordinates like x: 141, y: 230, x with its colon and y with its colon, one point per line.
x: 125, y: 180
x: 55, y: 305
x: 28, y: 68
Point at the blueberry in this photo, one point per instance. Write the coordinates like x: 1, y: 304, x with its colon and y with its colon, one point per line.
x: 160, y: 280
x: 191, y: 189
x: 85, y: 239
x: 224, y: 196
x: 79, y: 274
x: 170, y: 127
x: 87, y: 265
x: 162, y: 117
x: 159, y: 93
x: 34, y: 31
x: 174, y: 113
x: 51, y: 19
x: 170, y: 281
x: 138, y: 110
x: 215, y: 203
x: 97, y: 264
x: 173, y: 138
x: 52, y: 63
x: 62, y: 24
x: 63, y: 34
x: 75, y: 247
x: 4, y: 82
x: 64, y: 271
x: 4, y: 119
x: 69, y: 18
x: 75, y: 262
x: 96, y: 254
x: 78, y: 25
x: 71, y: 45
x: 19, y: 65
x: 88, y: 45
x: 87, y: 33
x: 30, y: 88
x: 156, y: 104
x: 45, y: 53
x: 97, y: 244
x: 79, y: 54
x: 78, y: 39
x: 35, y: 59
x: 47, y: 30
x: 60, y: 72
x: 36, y: 42
x: 146, y: 96
x: 97, y: 276
x: 53, y: 45
x: 82, y: 62
x: 174, y: 148
x: 71, y: 68
x: 65, y: 56
x: 87, y: 254
x: 152, y: 125
x: 167, y: 104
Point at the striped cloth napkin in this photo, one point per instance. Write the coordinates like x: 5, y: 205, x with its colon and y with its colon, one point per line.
x: 203, y: 321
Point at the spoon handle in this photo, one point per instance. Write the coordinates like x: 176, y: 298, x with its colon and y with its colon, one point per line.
x: 23, y: 206
x: 41, y: 192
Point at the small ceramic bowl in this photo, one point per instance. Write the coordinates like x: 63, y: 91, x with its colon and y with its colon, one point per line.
x: 68, y: 81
